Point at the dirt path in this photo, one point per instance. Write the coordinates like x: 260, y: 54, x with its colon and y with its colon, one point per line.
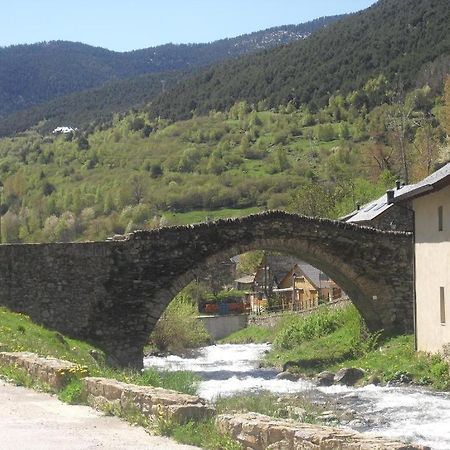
x: 35, y: 421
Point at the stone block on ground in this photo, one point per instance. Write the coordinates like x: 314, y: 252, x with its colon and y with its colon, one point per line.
x: 150, y: 401
x: 54, y: 372
x: 258, y: 432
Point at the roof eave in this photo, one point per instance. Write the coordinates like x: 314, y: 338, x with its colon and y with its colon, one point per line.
x: 410, y: 195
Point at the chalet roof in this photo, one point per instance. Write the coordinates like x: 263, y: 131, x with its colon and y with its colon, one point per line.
x: 375, y: 208
x: 433, y: 182
x: 315, y: 276
x: 281, y: 265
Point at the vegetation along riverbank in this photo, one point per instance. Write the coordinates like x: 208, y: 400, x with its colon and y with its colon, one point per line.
x: 329, y: 340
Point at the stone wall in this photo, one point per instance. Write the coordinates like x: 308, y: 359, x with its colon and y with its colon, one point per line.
x: 219, y: 327
x: 151, y: 402
x: 113, y: 293
x: 51, y: 371
x: 398, y: 217
x: 258, y: 432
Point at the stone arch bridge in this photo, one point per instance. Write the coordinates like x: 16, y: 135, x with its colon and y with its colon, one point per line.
x: 112, y: 293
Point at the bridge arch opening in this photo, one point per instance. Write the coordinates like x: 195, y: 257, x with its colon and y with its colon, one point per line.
x: 340, y: 271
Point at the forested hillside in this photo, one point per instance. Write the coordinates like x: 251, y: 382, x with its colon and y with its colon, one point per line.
x: 408, y: 41
x: 313, y: 127
x: 32, y: 74
x: 145, y: 173
x: 93, y: 107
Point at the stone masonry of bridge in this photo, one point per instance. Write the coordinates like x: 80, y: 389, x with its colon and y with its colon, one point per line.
x: 112, y: 293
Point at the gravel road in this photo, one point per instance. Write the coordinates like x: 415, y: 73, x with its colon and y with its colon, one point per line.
x: 31, y: 420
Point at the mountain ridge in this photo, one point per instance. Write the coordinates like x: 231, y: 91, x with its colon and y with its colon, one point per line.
x: 35, y: 73
x: 397, y: 38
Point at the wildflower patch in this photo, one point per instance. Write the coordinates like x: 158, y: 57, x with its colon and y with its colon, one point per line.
x: 56, y: 373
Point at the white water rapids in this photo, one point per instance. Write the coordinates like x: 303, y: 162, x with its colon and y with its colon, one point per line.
x: 405, y: 413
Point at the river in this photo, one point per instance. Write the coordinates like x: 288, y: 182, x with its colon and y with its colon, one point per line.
x: 410, y: 414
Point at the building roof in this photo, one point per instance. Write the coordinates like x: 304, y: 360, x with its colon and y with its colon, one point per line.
x: 433, y: 182
x: 315, y: 276
x: 281, y: 265
x: 375, y: 208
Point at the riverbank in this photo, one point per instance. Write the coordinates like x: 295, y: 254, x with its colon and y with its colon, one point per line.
x: 36, y: 420
x: 19, y: 334
x: 234, y: 382
x: 328, y: 340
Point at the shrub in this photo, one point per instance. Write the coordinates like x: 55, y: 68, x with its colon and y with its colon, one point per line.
x: 178, y: 328
x: 298, y: 329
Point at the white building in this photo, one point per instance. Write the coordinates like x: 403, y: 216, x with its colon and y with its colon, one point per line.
x: 63, y: 130
x: 430, y: 200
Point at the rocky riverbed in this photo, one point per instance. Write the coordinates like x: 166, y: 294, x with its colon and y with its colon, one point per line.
x: 407, y: 413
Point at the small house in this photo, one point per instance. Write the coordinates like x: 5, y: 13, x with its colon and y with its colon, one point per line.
x: 293, y: 284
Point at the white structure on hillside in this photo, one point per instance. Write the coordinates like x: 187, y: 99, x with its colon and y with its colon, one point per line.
x: 63, y: 130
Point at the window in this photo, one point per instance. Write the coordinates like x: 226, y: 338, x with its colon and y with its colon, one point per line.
x: 442, y: 299
x: 441, y: 218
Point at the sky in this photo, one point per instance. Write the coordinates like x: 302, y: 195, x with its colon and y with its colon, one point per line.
x: 123, y: 25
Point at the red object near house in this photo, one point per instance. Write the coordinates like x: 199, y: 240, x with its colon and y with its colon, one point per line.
x: 212, y: 308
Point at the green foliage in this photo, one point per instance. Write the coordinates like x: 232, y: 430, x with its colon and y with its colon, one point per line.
x: 203, y: 434
x: 366, y: 342
x: 224, y: 295
x: 19, y: 333
x: 18, y: 376
x: 72, y: 393
x: 180, y: 381
x: 332, y: 339
x: 178, y: 328
x: 299, y: 408
x: 222, y: 165
x: 253, y: 334
x: 297, y: 330
x: 249, y: 262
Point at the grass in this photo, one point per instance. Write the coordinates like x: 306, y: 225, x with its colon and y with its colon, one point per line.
x: 299, y: 408
x: 72, y: 393
x: 203, y: 434
x: 181, y: 381
x: 19, y: 333
x: 21, y: 377
x: 396, y: 360
x: 203, y: 215
x: 253, y: 334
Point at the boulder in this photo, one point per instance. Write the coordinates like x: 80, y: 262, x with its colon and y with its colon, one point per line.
x: 348, y: 376
x: 287, y: 376
x: 325, y: 378
x: 374, y: 379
